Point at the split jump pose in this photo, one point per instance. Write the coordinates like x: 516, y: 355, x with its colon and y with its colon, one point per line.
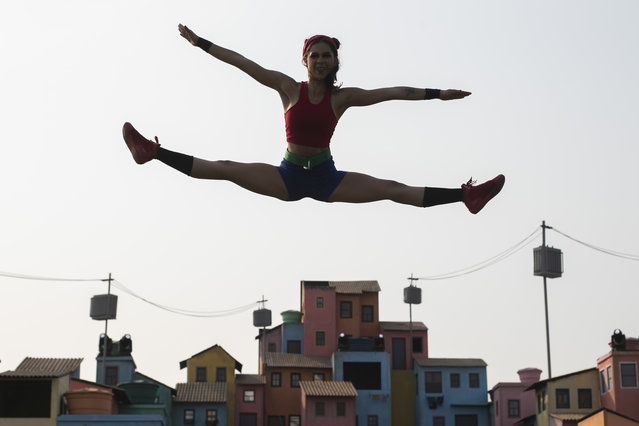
x: 311, y: 111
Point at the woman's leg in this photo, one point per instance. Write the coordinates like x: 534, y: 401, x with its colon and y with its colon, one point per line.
x: 260, y: 178
x: 256, y: 177
x: 361, y: 188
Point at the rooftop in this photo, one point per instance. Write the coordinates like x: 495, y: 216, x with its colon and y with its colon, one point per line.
x: 44, y: 367
x: 328, y: 389
x: 276, y: 359
x: 347, y: 287
x: 401, y: 325
x: 201, y: 392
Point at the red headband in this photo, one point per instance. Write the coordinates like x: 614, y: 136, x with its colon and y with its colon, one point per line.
x: 310, y: 40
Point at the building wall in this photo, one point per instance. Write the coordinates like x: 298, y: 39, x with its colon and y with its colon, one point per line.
x: 110, y: 420
x: 125, y: 364
x: 354, y: 326
x: 211, y: 359
x: 621, y: 400
x: 292, y: 332
x: 330, y: 418
x: 256, y: 407
x: 319, y: 319
x: 454, y: 401
x: 587, y: 379
x: 606, y: 418
x: 286, y: 400
x: 200, y: 412
x: 388, y: 344
x: 402, y: 397
x: 369, y: 401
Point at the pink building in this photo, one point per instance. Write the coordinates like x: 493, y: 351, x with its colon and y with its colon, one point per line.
x: 618, y: 376
x: 328, y: 403
x: 249, y: 399
x: 512, y: 403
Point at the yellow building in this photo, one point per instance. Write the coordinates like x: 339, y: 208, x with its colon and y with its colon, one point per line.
x: 214, y: 365
x: 565, y: 400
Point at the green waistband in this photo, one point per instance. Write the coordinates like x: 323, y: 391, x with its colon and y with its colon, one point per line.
x: 308, y: 162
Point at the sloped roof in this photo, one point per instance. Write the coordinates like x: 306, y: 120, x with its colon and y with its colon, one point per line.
x: 401, y: 325
x: 44, y: 367
x: 575, y: 417
x: 238, y: 365
x: 330, y: 388
x: 276, y: 359
x: 542, y: 383
x: 346, y: 287
x: 201, y: 392
x: 450, y: 362
x: 355, y: 287
x: 250, y: 379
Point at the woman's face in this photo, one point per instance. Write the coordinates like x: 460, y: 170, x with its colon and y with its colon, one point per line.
x: 320, y: 61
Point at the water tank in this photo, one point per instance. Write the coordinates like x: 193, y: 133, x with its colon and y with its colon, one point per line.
x: 291, y: 317
x: 548, y: 262
x: 413, y: 295
x: 104, y: 306
x: 262, y: 318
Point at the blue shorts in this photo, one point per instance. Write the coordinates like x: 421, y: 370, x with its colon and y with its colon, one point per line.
x: 317, y: 183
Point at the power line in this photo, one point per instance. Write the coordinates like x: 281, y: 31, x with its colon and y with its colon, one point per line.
x: 486, y: 263
x: 40, y: 278
x: 602, y: 250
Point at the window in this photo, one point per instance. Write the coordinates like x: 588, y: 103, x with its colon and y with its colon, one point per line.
x: 211, y: 417
x: 189, y: 416
x: 465, y: 420
x: 584, y: 398
x: 609, y: 377
x: 294, y: 420
x: 513, y: 408
x: 319, y: 377
x: 320, y: 338
x: 439, y: 421
x: 363, y: 375
x: 541, y: 401
x: 346, y: 309
x: 272, y: 347
x: 111, y: 376
x: 276, y: 380
x: 418, y: 345
x: 454, y: 380
x: 320, y: 410
x: 294, y: 346
x: 200, y: 374
x: 367, y: 313
x: 473, y: 380
x: 602, y: 377
x: 433, y: 381
x: 220, y: 374
x: 340, y: 409
x: 295, y: 380
x: 563, y: 398
x: 249, y: 395
x: 319, y: 302
x: 372, y: 420
x: 276, y: 421
x: 628, y: 372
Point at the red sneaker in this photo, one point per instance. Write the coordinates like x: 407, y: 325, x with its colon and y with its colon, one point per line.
x: 476, y: 197
x: 142, y: 149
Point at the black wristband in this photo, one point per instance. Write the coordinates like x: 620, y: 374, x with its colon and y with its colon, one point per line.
x: 432, y: 93
x: 203, y: 44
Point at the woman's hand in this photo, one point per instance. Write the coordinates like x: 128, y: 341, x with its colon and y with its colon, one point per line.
x: 450, y: 94
x: 189, y: 35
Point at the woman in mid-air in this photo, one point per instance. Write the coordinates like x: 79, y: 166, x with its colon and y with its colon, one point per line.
x: 311, y: 112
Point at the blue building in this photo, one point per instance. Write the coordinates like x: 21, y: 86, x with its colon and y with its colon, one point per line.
x: 200, y: 403
x: 451, y: 392
x: 368, y: 369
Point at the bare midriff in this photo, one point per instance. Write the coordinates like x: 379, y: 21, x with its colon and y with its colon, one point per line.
x: 304, y: 151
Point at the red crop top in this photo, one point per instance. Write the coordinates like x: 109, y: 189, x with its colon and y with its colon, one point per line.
x: 308, y: 124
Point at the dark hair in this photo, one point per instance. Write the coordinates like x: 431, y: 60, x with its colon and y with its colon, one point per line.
x: 334, y: 44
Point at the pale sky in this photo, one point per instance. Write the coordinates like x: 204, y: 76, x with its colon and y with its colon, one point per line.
x: 554, y: 108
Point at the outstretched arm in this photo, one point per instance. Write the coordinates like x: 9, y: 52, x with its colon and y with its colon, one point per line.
x: 282, y: 83
x: 353, y: 96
